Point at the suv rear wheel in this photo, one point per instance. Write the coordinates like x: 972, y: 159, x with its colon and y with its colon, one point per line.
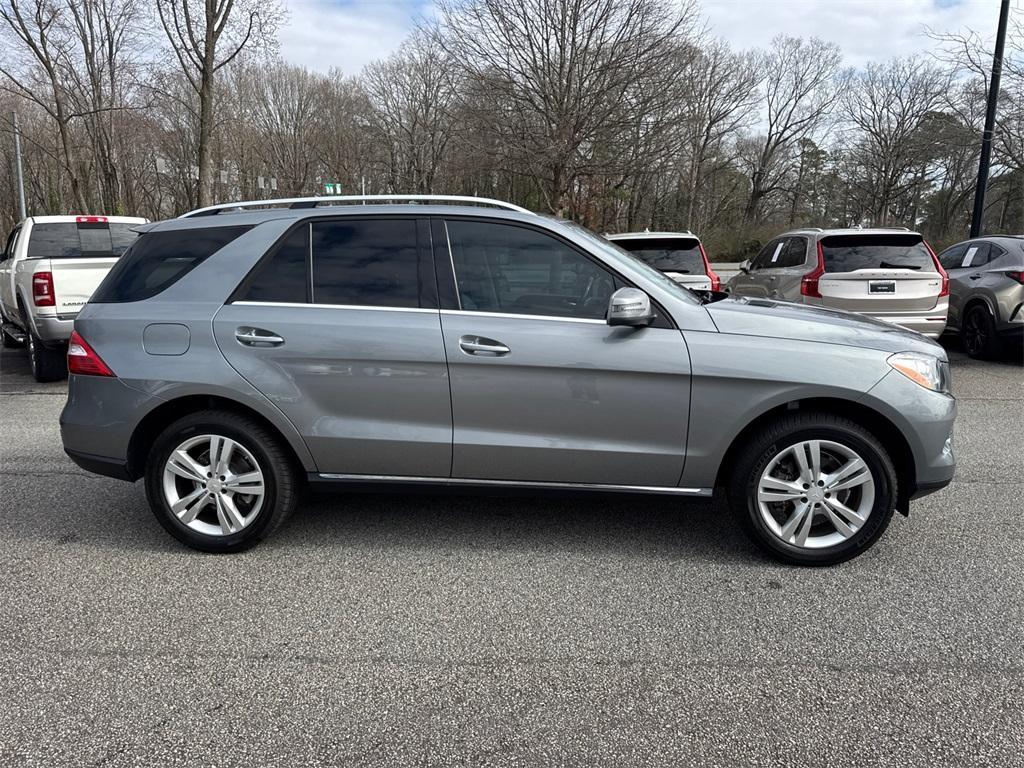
x: 220, y: 482
x: 813, y: 489
x: 47, y: 363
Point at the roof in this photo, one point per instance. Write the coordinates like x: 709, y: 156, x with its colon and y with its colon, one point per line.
x: 851, y: 231
x: 648, y: 235
x: 229, y: 218
x: 72, y: 219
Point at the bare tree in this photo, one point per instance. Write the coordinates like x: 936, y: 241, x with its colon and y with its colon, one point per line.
x: 801, y: 83
x: 206, y: 36
x: 549, y: 77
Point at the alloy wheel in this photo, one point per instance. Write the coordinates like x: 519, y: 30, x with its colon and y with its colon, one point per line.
x: 815, y: 494
x: 213, y: 485
x: 975, y: 334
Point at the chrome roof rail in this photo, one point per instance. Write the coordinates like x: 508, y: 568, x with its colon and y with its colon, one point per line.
x: 313, y: 202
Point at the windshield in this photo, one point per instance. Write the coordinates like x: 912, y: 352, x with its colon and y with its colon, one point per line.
x: 675, y: 254
x: 848, y: 253
x: 70, y: 240
x: 621, y: 256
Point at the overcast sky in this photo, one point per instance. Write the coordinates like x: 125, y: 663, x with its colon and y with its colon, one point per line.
x: 351, y: 33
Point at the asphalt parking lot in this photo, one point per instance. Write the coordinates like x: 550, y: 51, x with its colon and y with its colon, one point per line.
x: 429, y: 630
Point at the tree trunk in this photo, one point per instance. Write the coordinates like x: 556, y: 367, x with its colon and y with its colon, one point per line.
x: 205, y: 138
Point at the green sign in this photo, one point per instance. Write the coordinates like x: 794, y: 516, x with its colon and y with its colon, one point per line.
x: 333, y: 188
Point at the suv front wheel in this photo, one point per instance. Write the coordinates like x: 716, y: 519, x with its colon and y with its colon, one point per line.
x: 219, y: 481
x: 813, y: 489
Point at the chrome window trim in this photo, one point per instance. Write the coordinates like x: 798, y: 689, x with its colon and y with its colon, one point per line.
x: 514, y: 316
x: 518, y: 483
x: 333, y: 306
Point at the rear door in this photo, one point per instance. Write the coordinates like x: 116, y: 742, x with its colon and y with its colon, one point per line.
x: 339, y: 327
x: 959, y: 262
x: 792, y: 266
x: 543, y: 390
x: 7, y: 273
x: 79, y: 254
x: 878, y: 273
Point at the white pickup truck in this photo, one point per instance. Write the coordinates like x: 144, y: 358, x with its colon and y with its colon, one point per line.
x: 49, y: 268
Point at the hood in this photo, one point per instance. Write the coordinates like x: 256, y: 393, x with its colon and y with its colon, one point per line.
x: 778, y: 319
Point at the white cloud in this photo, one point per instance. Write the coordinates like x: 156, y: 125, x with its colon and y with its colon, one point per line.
x: 349, y: 34
x: 865, y: 30
x: 321, y: 34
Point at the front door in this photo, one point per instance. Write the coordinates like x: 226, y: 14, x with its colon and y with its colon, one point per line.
x: 543, y: 390
x: 339, y: 328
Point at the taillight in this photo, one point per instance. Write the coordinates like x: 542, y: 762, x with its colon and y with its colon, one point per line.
x: 1018, y: 276
x: 809, y: 282
x: 83, y: 360
x: 42, y: 290
x: 716, y: 281
x: 944, y: 291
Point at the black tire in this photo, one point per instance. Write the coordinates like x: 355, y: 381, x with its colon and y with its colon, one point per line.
x: 762, y: 447
x: 979, y: 333
x: 280, y: 478
x: 47, y: 363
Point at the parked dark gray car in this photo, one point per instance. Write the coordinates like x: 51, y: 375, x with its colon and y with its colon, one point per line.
x: 986, y: 293
x: 240, y: 352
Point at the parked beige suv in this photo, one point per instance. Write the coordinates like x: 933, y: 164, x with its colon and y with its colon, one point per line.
x: 889, y: 274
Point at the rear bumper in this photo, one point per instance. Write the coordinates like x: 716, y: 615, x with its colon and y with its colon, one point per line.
x: 100, y: 465
x: 931, y: 324
x: 53, y: 330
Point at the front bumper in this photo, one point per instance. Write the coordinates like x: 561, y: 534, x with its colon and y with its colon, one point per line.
x: 925, y: 419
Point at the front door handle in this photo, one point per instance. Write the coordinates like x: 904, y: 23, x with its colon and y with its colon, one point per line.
x: 478, y: 345
x: 257, y: 337
x: 975, y: 277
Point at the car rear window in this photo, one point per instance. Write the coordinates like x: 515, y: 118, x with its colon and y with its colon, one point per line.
x: 71, y: 240
x: 157, y: 260
x: 675, y: 254
x: 848, y: 253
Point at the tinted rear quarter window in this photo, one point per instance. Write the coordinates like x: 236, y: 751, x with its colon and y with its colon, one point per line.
x: 849, y: 253
x: 71, y: 240
x: 284, y: 276
x: 157, y: 260
x: 669, y: 255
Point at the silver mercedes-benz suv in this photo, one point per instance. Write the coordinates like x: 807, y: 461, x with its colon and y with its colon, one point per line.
x: 245, y: 350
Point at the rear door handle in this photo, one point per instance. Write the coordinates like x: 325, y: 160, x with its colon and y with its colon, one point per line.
x: 257, y: 337
x: 975, y: 277
x: 478, y: 345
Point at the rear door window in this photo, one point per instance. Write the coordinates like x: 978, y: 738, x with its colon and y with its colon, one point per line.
x: 675, y: 254
x: 366, y: 262
x: 794, y: 254
x: 74, y: 240
x: 849, y: 253
x: 11, y: 240
x: 157, y: 260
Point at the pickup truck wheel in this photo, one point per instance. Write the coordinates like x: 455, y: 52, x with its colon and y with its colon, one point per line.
x: 813, y: 489
x: 47, y: 364
x: 220, y: 482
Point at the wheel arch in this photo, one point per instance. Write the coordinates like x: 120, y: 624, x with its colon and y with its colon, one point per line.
x: 879, y: 425
x: 154, y: 422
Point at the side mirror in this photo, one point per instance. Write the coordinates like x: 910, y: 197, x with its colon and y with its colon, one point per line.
x: 745, y: 266
x: 630, y: 306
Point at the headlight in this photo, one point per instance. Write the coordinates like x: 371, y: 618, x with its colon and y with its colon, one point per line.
x: 926, y: 370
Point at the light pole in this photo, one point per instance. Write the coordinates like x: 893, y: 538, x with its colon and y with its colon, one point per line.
x: 17, y: 162
x: 990, y: 121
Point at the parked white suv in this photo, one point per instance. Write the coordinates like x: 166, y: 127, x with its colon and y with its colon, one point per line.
x: 888, y: 274
x: 48, y: 270
x: 680, y: 255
